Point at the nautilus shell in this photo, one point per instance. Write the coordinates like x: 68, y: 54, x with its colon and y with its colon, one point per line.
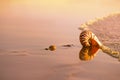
x: 87, y: 38
x: 90, y: 45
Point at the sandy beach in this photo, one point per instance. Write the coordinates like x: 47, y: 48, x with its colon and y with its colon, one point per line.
x: 62, y: 64
x: 29, y: 27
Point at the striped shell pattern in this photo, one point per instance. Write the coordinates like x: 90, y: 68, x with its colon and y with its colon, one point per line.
x: 91, y: 44
x: 85, y: 37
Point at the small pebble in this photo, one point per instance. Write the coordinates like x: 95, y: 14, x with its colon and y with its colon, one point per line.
x: 68, y: 45
x: 52, y: 47
x: 46, y: 49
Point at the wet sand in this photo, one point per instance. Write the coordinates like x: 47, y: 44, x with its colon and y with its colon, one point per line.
x: 35, y: 63
x: 28, y: 27
x: 62, y: 64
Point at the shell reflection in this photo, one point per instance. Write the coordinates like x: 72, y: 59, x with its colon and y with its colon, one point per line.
x: 90, y: 44
x: 88, y: 53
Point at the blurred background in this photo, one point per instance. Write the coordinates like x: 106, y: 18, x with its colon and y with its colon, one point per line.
x: 31, y: 23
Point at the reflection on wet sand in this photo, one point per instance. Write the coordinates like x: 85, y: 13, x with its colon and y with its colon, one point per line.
x: 109, y: 51
x: 91, y: 44
x: 88, y: 53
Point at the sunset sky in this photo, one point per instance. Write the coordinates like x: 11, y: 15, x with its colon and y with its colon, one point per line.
x: 35, y: 8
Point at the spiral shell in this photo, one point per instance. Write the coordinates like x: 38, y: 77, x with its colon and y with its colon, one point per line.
x: 91, y: 44
x: 87, y: 38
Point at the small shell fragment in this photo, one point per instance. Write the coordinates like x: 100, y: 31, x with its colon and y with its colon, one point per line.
x: 52, y: 47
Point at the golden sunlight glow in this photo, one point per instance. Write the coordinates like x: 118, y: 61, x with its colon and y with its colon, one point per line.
x: 31, y: 19
x: 66, y: 6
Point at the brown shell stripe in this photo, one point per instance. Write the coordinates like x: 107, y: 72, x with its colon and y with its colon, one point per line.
x: 84, y: 37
